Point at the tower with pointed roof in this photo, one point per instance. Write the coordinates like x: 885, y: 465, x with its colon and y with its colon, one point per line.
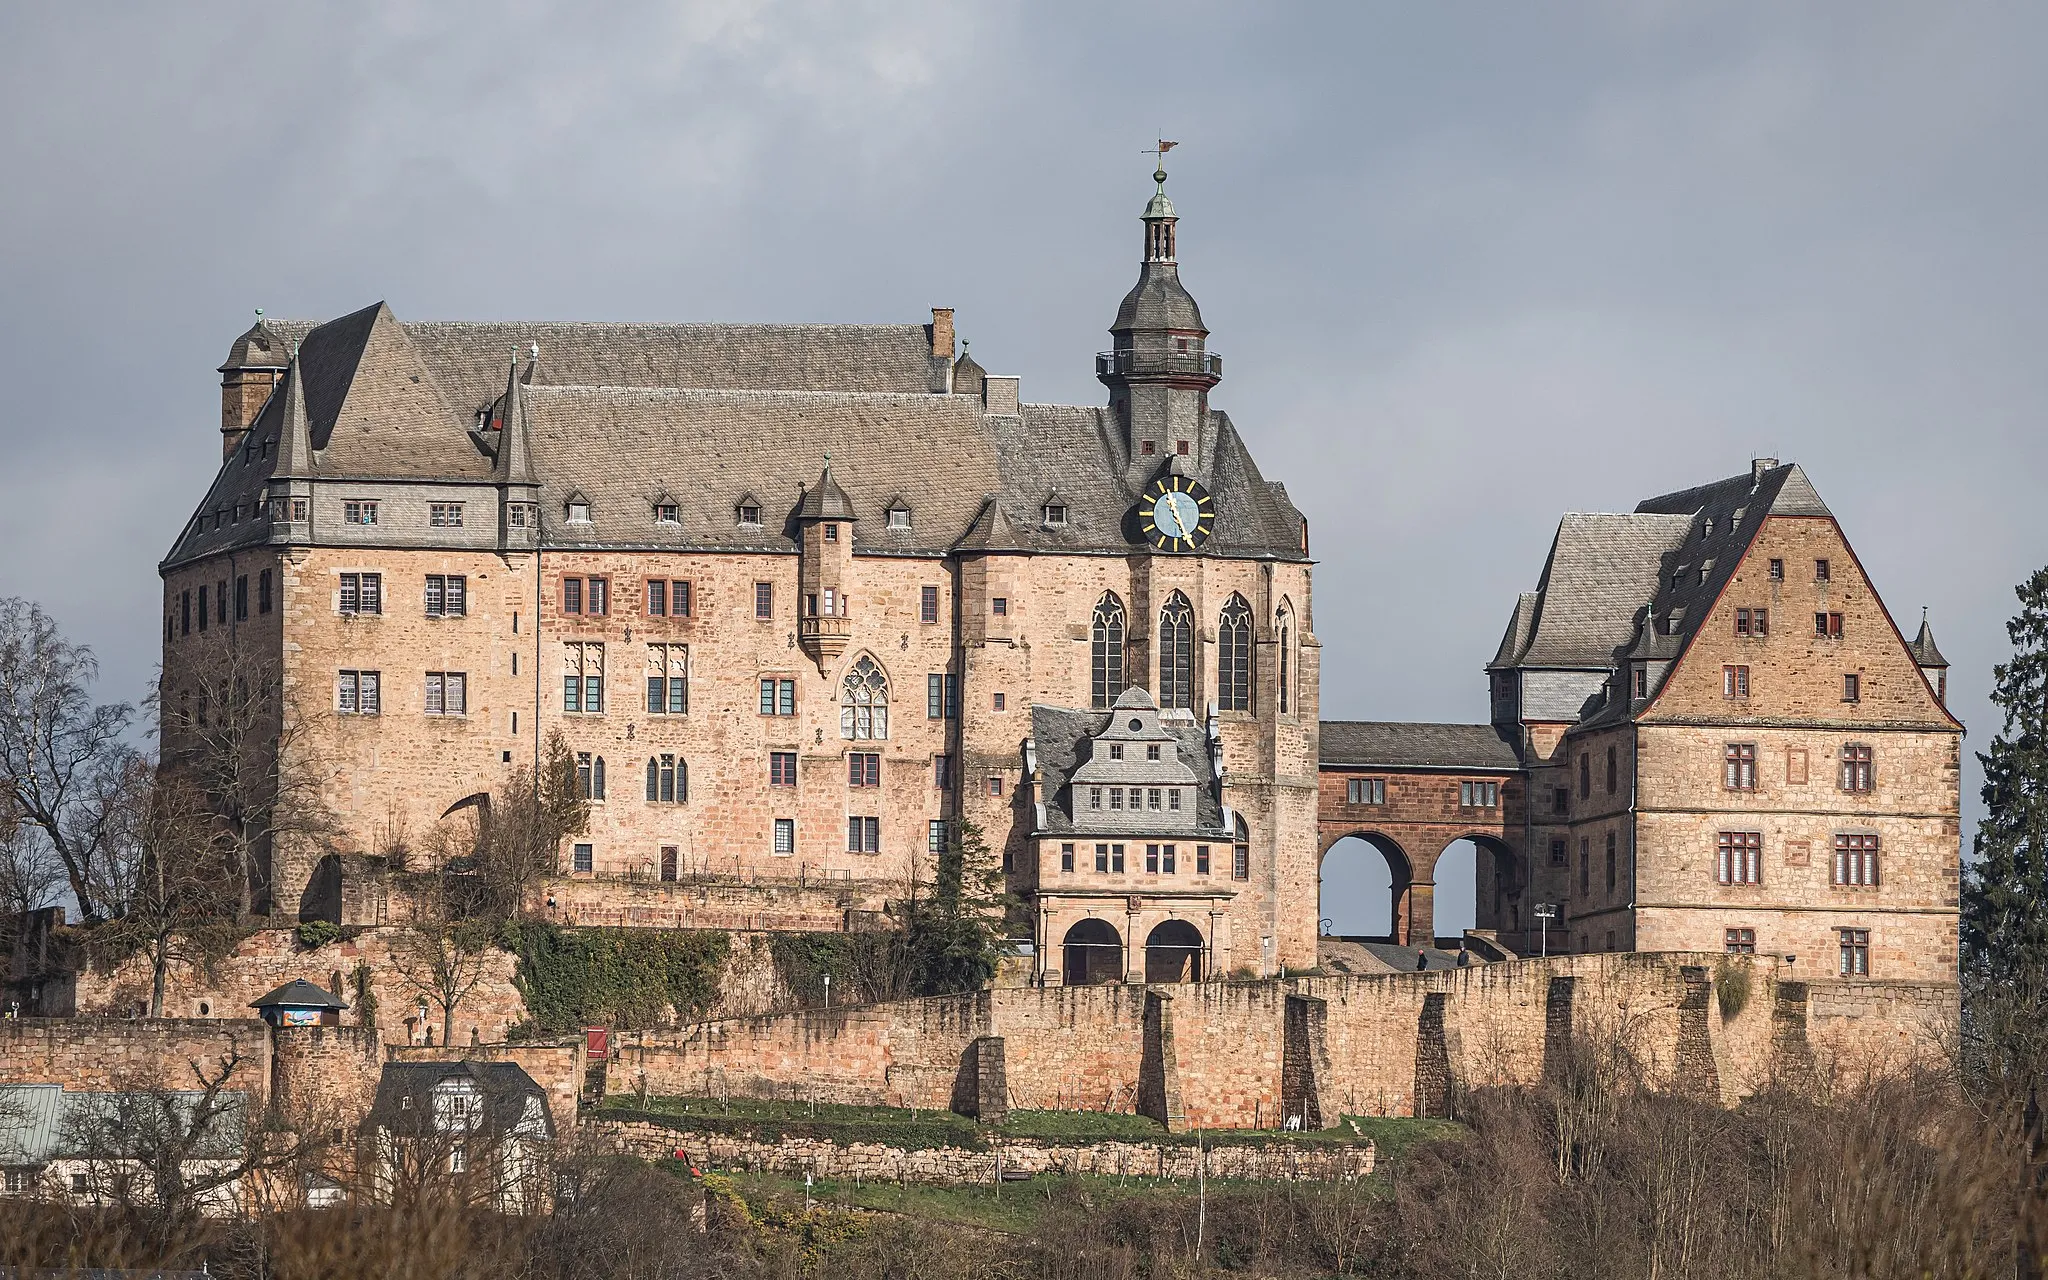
x: 1159, y: 369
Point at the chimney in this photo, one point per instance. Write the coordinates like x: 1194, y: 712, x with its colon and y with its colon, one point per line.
x: 1000, y: 395
x: 256, y: 364
x: 1757, y: 467
x: 942, y: 333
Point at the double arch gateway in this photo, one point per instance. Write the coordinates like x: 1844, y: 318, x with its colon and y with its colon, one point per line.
x: 1411, y: 792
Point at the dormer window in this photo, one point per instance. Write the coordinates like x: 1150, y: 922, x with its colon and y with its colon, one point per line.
x: 899, y: 517
x: 1055, y: 515
x: 579, y: 511
x: 1707, y: 529
x: 748, y: 512
x: 1116, y: 750
x: 666, y: 513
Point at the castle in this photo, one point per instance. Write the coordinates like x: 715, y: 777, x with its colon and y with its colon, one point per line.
x: 801, y: 598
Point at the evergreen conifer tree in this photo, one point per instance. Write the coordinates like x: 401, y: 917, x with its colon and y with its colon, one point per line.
x: 2005, y: 894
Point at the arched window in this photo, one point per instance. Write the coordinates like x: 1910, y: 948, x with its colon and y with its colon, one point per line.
x: 864, y: 702
x: 1106, y: 651
x: 1240, y: 849
x: 668, y: 780
x: 1234, y: 656
x: 589, y: 776
x: 1176, y: 653
x: 1285, y: 627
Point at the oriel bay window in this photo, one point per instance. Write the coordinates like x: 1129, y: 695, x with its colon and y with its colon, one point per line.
x: 668, y: 679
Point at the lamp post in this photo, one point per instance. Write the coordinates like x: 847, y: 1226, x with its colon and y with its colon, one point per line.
x: 1545, y: 913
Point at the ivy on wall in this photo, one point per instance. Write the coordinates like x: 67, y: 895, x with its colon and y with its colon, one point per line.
x: 628, y: 979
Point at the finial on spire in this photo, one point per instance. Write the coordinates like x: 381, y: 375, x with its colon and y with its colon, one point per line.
x: 533, y: 349
x: 259, y: 315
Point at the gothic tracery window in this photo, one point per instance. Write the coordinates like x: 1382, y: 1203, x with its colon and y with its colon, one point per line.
x: 1234, y: 656
x: 1176, y: 654
x: 864, y: 702
x: 1106, y: 651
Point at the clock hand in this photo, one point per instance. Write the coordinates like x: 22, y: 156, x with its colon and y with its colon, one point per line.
x: 1180, y: 528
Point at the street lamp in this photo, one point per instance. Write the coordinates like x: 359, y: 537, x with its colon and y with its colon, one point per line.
x: 1546, y: 912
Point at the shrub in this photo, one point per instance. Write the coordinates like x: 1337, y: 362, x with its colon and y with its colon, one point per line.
x: 315, y: 934
x: 624, y: 978
x: 1731, y: 986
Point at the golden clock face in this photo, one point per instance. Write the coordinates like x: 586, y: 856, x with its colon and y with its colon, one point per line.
x: 1177, y: 514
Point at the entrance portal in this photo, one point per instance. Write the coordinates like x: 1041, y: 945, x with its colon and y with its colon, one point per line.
x: 1094, y: 953
x: 1173, y: 953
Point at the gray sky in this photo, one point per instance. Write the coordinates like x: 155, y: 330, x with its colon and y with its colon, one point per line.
x: 1470, y: 266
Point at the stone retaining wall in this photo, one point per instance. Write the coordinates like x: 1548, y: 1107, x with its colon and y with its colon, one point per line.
x: 950, y: 1166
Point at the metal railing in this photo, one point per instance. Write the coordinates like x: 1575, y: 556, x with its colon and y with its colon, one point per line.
x: 1122, y: 362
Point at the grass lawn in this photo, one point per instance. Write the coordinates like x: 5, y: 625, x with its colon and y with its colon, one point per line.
x: 1014, y: 1208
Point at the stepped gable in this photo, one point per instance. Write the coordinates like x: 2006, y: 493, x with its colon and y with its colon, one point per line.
x: 1395, y: 745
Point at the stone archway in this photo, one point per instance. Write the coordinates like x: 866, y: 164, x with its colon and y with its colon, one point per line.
x: 1093, y: 952
x: 1500, y: 883
x: 1407, y: 894
x: 1173, y: 952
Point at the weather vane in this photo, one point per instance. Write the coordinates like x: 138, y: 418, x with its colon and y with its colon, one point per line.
x: 1158, y: 154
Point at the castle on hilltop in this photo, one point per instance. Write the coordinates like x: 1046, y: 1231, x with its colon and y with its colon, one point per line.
x: 801, y: 599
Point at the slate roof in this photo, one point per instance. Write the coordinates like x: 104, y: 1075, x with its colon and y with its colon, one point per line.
x: 1392, y: 745
x: 298, y: 994
x: 623, y: 414
x: 504, y: 1088
x: 1925, y: 653
x: 1601, y: 570
x: 29, y: 1118
x: 1158, y: 301
x: 1060, y: 739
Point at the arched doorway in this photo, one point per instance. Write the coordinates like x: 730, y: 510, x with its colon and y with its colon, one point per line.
x: 1173, y: 953
x: 1094, y: 952
x: 1364, y: 888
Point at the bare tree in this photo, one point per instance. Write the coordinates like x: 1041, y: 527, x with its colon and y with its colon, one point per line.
x: 520, y: 830
x: 161, y: 875
x: 58, y: 749
x: 442, y: 960
x: 245, y: 747
x: 165, y: 1155
x: 31, y: 877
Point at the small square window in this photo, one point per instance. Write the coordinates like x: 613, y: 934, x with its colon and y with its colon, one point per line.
x: 1735, y: 682
x: 1147, y: 448
x: 1820, y: 571
x: 1066, y: 858
x: 1000, y: 606
x: 764, y: 600
x: 579, y: 513
x: 585, y: 858
x: 782, y: 768
x: 1056, y: 515
x: 1852, y: 687
x: 1151, y: 751
x: 1777, y: 571
x: 899, y: 517
x: 1181, y: 447
x: 666, y: 513
x: 1739, y: 942
x: 747, y: 513
x: 785, y: 837
x: 359, y: 512
x: 444, y: 515
x: 831, y: 533
x: 999, y: 701
x: 995, y: 785
x: 927, y: 604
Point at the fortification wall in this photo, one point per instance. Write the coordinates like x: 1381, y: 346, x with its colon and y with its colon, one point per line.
x: 327, y: 1072
x: 1225, y: 1055
x: 269, y: 958
x: 134, y: 1054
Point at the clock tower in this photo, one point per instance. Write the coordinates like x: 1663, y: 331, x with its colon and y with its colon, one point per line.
x: 1158, y: 369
